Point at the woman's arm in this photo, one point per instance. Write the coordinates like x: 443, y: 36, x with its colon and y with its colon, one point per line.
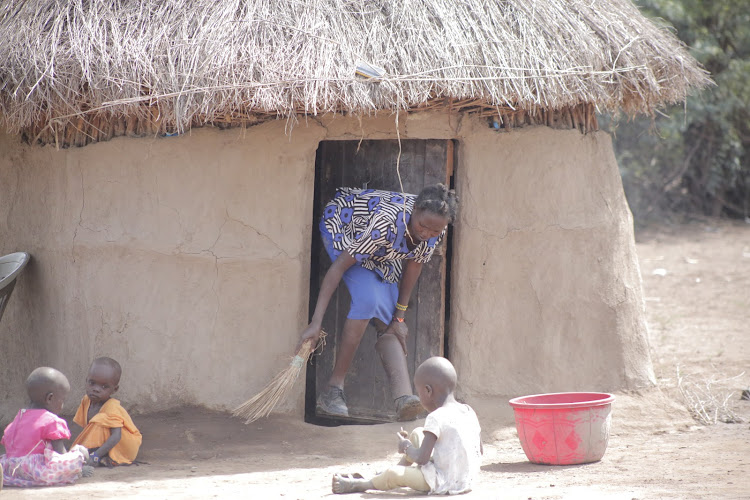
x: 409, y: 278
x: 330, y: 282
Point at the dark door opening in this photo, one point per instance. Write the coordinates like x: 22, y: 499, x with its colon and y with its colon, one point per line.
x: 372, y: 164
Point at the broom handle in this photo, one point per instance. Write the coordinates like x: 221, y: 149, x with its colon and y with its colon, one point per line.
x: 298, y: 360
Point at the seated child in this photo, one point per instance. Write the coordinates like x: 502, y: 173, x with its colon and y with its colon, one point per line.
x: 34, y: 450
x: 447, y: 450
x: 108, y: 431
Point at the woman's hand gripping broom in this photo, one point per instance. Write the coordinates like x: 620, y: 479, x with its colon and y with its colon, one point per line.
x: 264, y: 402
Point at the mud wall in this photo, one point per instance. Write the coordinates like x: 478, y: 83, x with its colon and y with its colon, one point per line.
x: 187, y: 259
x: 184, y: 258
x: 546, y: 290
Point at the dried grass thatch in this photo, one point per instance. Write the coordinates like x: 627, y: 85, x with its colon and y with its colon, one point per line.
x: 174, y: 64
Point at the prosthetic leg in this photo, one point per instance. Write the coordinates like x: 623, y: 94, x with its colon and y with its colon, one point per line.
x: 393, y: 358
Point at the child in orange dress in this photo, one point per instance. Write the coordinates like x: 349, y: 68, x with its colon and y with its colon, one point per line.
x: 108, y: 431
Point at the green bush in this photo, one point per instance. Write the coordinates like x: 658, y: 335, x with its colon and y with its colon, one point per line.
x: 694, y: 157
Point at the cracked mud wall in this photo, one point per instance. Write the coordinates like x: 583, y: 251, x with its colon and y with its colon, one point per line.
x: 546, y: 290
x: 183, y: 258
x: 187, y: 260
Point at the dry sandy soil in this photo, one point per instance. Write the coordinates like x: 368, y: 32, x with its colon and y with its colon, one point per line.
x: 696, y: 281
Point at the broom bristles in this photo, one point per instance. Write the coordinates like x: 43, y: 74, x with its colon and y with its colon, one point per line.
x: 264, y: 402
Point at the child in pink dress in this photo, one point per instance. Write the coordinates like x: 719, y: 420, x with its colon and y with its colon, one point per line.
x: 35, y: 453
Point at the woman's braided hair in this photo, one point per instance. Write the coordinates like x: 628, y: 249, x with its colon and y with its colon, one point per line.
x: 439, y: 200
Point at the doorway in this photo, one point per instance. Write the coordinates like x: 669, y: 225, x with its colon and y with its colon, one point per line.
x: 372, y: 164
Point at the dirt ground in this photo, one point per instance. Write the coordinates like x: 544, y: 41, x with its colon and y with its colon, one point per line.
x: 696, y: 279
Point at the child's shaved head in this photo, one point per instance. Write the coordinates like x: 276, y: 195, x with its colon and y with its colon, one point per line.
x: 111, y: 363
x: 439, y: 373
x: 43, y: 381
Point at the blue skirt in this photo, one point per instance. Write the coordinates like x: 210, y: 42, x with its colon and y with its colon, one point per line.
x: 371, y: 296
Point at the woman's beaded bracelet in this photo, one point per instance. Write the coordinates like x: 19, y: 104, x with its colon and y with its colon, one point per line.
x: 401, y: 307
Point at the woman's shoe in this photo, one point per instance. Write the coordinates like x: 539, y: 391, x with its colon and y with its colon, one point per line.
x: 332, y: 402
x: 408, y: 408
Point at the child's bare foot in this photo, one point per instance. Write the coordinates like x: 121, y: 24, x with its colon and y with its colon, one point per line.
x: 87, y: 471
x: 350, y: 483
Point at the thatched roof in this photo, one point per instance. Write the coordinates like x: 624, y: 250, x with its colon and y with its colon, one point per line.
x: 183, y: 62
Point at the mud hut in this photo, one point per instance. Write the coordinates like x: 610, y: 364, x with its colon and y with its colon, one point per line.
x: 164, y: 161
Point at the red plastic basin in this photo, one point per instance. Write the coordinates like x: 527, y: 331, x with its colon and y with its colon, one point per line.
x: 564, y: 428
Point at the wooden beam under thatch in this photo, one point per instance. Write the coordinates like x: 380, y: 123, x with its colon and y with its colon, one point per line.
x: 66, y: 64
x: 97, y: 127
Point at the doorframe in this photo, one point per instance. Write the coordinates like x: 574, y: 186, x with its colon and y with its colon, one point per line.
x: 449, y: 255
x: 316, y: 243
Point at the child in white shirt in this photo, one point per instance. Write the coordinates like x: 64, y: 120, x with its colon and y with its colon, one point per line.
x: 446, y: 450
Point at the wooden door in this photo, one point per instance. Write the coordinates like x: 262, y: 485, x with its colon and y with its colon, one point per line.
x: 372, y: 164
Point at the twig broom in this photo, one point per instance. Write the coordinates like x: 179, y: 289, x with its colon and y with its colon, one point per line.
x: 264, y: 402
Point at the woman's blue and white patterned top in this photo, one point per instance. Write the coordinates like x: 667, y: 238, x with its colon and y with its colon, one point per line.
x: 370, y: 225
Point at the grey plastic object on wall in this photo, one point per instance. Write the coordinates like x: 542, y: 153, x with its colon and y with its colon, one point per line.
x: 11, y: 266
